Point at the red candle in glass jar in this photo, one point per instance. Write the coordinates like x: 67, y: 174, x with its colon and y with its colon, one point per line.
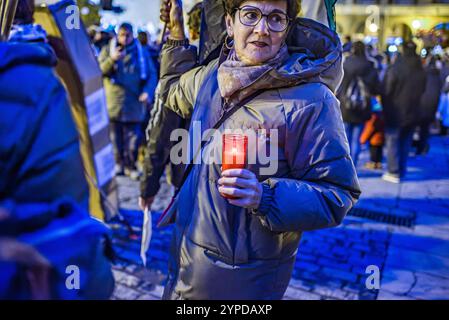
x: 234, y: 154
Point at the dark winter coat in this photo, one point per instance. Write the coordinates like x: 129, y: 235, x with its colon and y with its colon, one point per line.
x: 431, y: 96
x: 220, y: 251
x: 39, y: 150
x: 157, y: 154
x: 356, y: 66
x: 403, y: 87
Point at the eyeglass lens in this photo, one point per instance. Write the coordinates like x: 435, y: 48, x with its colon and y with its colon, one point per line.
x: 251, y: 16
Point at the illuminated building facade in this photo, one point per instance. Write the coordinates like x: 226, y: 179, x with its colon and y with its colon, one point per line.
x: 386, y: 20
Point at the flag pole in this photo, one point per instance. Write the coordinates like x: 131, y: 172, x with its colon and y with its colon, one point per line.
x: 7, y: 13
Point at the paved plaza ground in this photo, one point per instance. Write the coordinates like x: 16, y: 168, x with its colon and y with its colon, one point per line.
x: 401, y: 229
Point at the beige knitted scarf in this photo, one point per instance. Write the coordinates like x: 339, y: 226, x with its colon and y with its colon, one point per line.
x: 234, y: 75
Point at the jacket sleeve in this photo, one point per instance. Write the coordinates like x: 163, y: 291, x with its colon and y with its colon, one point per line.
x: 322, y: 185
x: 162, y: 122
x: 389, y: 82
x: 107, y: 65
x: 150, y: 85
x: 371, y: 79
x: 180, y: 78
x: 47, y: 165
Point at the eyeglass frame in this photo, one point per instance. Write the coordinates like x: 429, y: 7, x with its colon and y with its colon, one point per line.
x: 262, y: 15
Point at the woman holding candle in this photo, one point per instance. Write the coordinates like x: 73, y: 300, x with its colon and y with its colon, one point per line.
x: 237, y: 231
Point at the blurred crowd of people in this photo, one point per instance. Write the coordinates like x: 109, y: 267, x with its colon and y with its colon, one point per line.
x: 130, y: 63
x: 391, y: 102
x: 379, y: 97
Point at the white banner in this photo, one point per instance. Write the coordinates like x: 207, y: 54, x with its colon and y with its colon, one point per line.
x: 97, y: 112
x: 104, y: 163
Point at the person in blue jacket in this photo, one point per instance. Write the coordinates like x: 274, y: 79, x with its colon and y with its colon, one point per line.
x: 39, y: 145
x: 44, y: 220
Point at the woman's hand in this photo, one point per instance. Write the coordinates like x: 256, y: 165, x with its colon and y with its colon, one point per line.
x: 171, y: 13
x: 243, y: 185
x: 145, y: 203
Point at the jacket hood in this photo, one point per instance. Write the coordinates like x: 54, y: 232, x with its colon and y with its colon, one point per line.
x: 15, y: 53
x: 212, y: 31
x: 315, y: 56
x: 27, y: 33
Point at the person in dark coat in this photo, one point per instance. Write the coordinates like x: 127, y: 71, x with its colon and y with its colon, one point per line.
x: 403, y: 87
x: 130, y: 80
x: 357, y: 66
x: 429, y: 104
x: 245, y: 247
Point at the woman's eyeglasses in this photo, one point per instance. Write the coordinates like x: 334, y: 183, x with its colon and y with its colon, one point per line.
x: 251, y: 16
